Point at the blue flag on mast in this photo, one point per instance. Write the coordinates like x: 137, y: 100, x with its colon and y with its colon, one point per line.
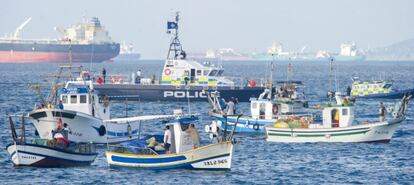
x: 171, y: 25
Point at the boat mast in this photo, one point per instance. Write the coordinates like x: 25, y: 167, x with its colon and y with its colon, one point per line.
x: 330, y: 80
x: 175, y: 46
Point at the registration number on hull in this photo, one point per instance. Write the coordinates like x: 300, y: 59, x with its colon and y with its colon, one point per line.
x: 215, y: 162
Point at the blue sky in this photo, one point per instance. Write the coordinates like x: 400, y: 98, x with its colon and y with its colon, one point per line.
x: 240, y: 24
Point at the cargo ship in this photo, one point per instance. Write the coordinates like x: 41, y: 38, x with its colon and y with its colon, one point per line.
x: 85, y: 42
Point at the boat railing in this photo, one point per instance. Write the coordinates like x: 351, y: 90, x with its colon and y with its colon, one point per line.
x: 131, y: 150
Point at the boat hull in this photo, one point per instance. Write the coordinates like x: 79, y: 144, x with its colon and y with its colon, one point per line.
x: 392, y: 95
x: 43, y: 156
x: 375, y: 132
x: 175, y: 93
x: 56, y: 52
x: 244, y: 124
x: 84, y: 128
x: 211, y: 157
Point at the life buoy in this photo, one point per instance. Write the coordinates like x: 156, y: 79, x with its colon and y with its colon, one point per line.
x: 275, y: 109
x: 167, y: 72
x: 116, y: 79
x: 256, y: 126
x: 102, y: 130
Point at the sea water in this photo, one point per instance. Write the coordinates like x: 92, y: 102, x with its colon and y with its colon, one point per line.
x: 255, y: 161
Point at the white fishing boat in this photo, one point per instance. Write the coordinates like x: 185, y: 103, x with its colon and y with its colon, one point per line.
x: 88, y: 116
x: 182, y: 154
x: 47, y: 153
x: 337, y: 125
x: 86, y: 113
x: 265, y: 110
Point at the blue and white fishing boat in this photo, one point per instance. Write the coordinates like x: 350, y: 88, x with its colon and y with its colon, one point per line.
x: 265, y: 110
x: 377, y: 89
x: 337, y: 125
x: 86, y: 114
x: 47, y: 153
x: 183, y: 153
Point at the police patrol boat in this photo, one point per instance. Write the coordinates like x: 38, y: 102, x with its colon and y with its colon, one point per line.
x: 265, y: 110
x: 86, y: 113
x: 182, y: 78
x: 377, y: 89
x: 337, y: 125
x: 46, y: 153
x: 182, y: 153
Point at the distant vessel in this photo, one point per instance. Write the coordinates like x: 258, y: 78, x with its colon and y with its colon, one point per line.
x: 276, y: 52
x: 127, y: 53
x: 349, y: 53
x: 86, y: 42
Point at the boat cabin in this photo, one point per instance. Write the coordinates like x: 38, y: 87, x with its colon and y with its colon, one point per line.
x: 266, y: 108
x: 337, y: 115
x: 181, y: 140
x: 363, y: 88
x: 190, y: 72
x: 79, y: 96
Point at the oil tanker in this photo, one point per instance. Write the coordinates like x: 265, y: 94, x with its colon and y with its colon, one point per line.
x: 84, y: 42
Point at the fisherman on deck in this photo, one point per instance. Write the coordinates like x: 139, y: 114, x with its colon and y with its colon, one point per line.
x: 230, y: 106
x: 138, y: 77
x: 60, y: 105
x: 167, y: 139
x: 194, y: 135
x: 382, y: 112
x: 104, y: 74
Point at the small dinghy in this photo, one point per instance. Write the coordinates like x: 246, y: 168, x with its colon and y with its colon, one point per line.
x: 337, y: 125
x: 183, y: 151
x: 47, y: 153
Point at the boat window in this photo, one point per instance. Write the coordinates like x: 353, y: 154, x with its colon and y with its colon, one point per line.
x: 65, y: 99
x: 73, y: 99
x: 344, y: 112
x: 254, y: 105
x: 213, y: 73
x: 220, y: 72
x: 205, y: 73
x: 198, y: 72
x: 186, y: 73
x: 386, y: 86
x: 82, y: 99
x: 184, y: 126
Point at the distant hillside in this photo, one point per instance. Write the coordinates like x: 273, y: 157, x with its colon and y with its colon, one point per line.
x: 403, y: 50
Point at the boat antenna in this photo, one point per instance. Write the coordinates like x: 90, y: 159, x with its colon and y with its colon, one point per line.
x: 175, y: 49
x: 330, y: 79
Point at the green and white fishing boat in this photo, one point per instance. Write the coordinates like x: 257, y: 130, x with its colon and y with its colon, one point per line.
x: 337, y: 125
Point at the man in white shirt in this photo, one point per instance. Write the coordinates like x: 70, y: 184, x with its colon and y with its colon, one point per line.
x: 167, y: 139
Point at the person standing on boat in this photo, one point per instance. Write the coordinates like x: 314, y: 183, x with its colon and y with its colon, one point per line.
x: 138, y: 77
x: 348, y: 91
x: 230, y: 106
x: 382, y: 112
x: 194, y: 135
x: 167, y: 139
x: 104, y: 74
x: 60, y: 105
